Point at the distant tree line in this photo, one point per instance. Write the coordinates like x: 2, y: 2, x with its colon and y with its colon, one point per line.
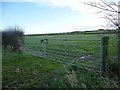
x: 100, y: 31
x: 12, y: 38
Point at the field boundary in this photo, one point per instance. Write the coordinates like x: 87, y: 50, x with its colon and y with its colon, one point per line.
x: 71, y: 53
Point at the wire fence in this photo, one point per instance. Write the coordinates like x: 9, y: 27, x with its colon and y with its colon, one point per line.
x: 83, y: 52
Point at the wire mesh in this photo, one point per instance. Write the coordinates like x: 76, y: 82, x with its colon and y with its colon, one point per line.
x: 82, y: 52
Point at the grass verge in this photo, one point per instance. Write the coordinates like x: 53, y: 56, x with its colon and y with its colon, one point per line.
x: 21, y: 70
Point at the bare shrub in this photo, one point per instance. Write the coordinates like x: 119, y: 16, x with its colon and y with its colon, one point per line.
x: 12, y: 38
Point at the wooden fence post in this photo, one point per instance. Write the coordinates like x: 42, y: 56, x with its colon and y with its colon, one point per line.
x: 104, y: 52
x: 65, y: 43
x: 0, y: 60
x: 118, y: 55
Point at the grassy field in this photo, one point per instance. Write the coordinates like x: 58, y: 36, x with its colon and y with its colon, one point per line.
x: 75, y: 46
x: 80, y: 45
x: 21, y: 70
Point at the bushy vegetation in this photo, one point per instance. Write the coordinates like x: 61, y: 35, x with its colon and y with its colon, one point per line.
x: 12, y: 38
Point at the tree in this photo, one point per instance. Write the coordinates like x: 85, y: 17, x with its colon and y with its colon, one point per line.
x: 109, y: 10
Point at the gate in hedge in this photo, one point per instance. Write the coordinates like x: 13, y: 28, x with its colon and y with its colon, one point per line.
x: 86, y: 53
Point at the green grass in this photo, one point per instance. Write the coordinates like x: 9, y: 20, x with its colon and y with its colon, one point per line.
x: 40, y: 73
x: 34, y: 72
x: 85, y: 43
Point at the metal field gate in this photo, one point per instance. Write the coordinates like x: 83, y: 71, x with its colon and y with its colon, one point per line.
x: 81, y: 52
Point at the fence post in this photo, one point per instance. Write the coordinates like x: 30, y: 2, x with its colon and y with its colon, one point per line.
x: 104, y: 52
x: 65, y: 42
x: 118, y: 53
x: 44, y: 50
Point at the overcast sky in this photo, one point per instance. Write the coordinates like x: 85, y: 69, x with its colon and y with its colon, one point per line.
x: 50, y: 16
